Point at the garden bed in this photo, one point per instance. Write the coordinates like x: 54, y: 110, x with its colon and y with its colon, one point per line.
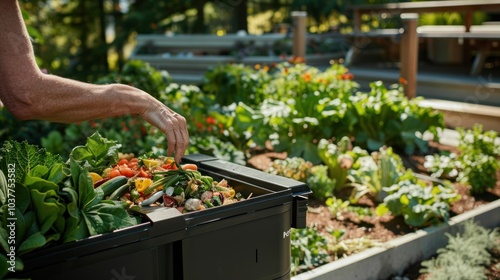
x: 396, y: 256
x: 397, y: 248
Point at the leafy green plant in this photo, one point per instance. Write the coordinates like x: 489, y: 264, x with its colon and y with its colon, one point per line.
x: 387, y: 117
x: 337, y: 206
x: 308, y: 249
x: 476, y: 164
x: 372, y: 173
x: 338, y: 159
x: 479, y: 157
x: 420, y: 205
x: 466, y: 255
x: 56, y: 201
x: 233, y: 83
x: 320, y: 184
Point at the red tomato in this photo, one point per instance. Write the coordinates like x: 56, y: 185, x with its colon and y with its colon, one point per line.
x: 134, y: 160
x: 114, y: 173
x: 127, y: 172
x: 133, y: 165
x: 123, y: 161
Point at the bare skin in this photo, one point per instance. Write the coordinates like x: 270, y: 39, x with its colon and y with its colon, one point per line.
x: 30, y: 94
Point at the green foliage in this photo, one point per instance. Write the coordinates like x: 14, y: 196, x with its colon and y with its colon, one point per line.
x: 338, y: 160
x: 476, y: 164
x: 141, y: 75
x: 305, y: 104
x: 337, y: 206
x: 308, y: 249
x: 419, y: 204
x: 344, y: 166
x: 320, y: 184
x: 233, y: 83
x: 387, y: 117
x: 372, y: 173
x: 97, y: 154
x: 38, y: 206
x: 479, y: 157
x: 311, y: 248
x: 465, y: 256
x: 25, y: 157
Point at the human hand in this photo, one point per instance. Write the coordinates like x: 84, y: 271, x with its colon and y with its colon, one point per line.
x: 173, y: 125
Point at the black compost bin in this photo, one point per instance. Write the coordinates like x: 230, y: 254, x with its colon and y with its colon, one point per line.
x: 249, y: 239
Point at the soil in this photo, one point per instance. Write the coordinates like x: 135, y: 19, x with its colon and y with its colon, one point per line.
x: 387, y: 227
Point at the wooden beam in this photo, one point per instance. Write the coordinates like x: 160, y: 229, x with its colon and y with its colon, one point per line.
x: 409, y: 54
x: 299, y: 33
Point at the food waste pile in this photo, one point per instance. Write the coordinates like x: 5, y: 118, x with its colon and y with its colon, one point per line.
x: 146, y: 181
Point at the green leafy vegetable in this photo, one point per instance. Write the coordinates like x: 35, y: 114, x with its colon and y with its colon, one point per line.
x: 338, y: 160
x: 25, y: 157
x: 419, y: 204
x: 476, y: 164
x: 320, y: 183
x: 97, y: 154
x: 90, y: 214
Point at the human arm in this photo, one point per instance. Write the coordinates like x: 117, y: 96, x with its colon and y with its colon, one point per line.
x: 30, y: 94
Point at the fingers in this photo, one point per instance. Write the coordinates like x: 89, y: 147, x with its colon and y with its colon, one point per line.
x: 175, y: 128
x: 177, y: 139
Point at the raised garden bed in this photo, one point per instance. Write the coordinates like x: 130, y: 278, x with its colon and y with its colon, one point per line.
x: 398, y: 254
x: 395, y: 246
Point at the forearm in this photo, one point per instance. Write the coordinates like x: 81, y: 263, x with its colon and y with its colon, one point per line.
x: 30, y: 94
x: 58, y: 99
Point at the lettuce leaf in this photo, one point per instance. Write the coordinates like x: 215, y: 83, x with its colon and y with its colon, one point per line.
x: 25, y: 157
x: 89, y: 213
x: 97, y: 154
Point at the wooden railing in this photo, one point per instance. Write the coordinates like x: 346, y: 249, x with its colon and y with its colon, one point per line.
x: 409, y: 13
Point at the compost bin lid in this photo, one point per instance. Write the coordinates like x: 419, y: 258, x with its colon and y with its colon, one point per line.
x: 249, y: 175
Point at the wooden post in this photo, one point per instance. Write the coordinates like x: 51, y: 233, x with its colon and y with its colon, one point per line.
x: 299, y: 33
x: 409, y: 54
x: 357, y: 20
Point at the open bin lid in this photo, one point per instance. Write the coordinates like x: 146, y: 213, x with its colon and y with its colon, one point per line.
x: 249, y: 175
x: 290, y: 190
